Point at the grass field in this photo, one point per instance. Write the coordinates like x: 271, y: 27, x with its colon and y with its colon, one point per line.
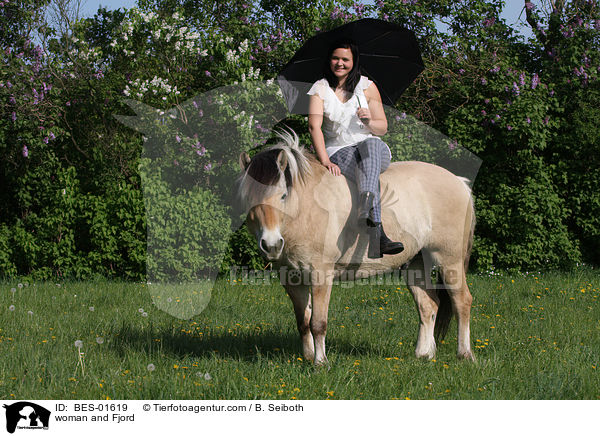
x: 535, y: 336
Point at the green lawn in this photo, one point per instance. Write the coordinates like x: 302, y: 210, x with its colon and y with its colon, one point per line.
x: 534, y: 337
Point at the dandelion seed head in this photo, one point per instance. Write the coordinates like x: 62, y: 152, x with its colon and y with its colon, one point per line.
x: 11, y: 307
x: 100, y: 340
x: 92, y: 308
x: 151, y: 367
x: 141, y: 310
x: 79, y: 344
x: 207, y: 376
x: 145, y: 314
x: 30, y: 312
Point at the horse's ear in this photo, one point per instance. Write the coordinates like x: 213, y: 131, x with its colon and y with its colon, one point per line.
x: 282, y: 160
x: 244, y: 160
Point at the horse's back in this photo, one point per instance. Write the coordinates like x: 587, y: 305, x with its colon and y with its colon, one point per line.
x: 421, y: 204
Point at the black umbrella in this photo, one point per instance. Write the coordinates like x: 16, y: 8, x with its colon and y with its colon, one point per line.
x: 389, y: 56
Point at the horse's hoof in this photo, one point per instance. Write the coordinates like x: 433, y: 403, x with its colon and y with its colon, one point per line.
x: 323, y: 365
x: 469, y: 356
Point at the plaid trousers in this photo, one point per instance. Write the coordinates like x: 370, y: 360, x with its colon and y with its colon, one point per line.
x: 362, y: 163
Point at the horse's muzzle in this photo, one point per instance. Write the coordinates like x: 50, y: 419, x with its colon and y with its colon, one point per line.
x: 271, y: 245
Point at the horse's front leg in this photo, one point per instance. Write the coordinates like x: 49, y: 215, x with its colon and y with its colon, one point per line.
x: 301, y: 299
x: 321, y: 292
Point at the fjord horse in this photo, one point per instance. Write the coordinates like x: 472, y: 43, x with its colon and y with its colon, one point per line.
x: 305, y: 219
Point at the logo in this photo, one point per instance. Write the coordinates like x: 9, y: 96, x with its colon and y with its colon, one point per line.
x: 25, y: 415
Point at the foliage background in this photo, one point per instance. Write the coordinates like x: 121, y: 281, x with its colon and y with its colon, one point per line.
x: 71, y: 203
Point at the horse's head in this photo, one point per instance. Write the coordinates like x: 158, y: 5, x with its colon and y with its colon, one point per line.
x: 266, y: 189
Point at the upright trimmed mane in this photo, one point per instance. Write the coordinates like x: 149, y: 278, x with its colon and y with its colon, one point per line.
x: 264, y: 177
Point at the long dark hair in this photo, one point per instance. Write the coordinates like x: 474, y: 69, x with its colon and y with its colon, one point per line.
x: 353, y: 76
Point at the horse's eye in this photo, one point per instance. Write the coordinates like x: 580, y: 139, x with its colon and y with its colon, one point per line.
x: 284, y: 196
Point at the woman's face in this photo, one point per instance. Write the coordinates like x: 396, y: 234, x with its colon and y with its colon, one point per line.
x: 341, y: 62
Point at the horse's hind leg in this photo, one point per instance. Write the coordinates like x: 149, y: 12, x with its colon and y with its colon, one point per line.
x: 455, y: 281
x: 427, y: 304
x: 301, y: 299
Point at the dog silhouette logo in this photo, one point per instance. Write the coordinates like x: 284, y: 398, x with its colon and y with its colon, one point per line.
x: 26, y: 415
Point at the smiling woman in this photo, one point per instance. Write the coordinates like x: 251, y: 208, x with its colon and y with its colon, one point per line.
x: 345, y: 119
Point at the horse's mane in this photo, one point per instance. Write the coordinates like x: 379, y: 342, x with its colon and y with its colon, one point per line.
x: 263, y: 176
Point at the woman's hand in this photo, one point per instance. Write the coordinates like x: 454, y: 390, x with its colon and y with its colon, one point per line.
x: 364, y: 114
x: 332, y: 168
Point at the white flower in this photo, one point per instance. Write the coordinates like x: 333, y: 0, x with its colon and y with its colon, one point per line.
x: 11, y: 307
x: 92, y: 308
x: 99, y: 340
x: 79, y: 344
x: 151, y: 367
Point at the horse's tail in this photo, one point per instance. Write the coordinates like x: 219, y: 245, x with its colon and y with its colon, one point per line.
x: 470, y: 225
x: 471, y: 235
x: 444, y: 313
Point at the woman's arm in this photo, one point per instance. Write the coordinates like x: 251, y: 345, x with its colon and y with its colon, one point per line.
x: 315, y: 121
x: 373, y: 116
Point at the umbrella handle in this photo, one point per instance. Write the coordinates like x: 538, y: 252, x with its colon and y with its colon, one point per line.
x: 360, y: 106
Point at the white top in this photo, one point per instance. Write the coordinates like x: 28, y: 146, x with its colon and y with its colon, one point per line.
x: 341, y: 125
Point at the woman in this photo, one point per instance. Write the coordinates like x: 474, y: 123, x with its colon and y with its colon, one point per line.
x: 348, y: 108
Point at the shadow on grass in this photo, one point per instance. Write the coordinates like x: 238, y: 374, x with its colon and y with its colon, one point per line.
x: 245, y: 346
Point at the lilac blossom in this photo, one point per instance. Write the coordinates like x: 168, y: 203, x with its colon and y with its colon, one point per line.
x: 535, y: 81
x: 25, y: 151
x: 515, y: 89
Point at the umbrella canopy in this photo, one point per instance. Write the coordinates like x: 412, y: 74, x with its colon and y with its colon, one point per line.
x: 389, y: 56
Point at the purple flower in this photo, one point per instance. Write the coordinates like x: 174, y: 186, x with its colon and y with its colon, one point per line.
x: 486, y: 101
x: 461, y: 71
x: 51, y: 135
x: 453, y: 144
x: 495, y: 69
x: 528, y: 120
x: 522, y: 79
x: 483, y: 112
x: 489, y: 22
x: 597, y: 24
x: 46, y: 140
x: 177, y: 138
x: 14, y: 116
x: 530, y: 6
x: 484, y: 81
x: 515, y: 89
x: 25, y: 151
x: 509, y: 127
x: 207, y: 73
x: 546, y: 120
x: 12, y: 100
x: 208, y: 166
x: 535, y: 81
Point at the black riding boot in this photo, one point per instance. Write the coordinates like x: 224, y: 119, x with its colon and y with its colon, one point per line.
x: 380, y: 244
x: 365, y: 206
